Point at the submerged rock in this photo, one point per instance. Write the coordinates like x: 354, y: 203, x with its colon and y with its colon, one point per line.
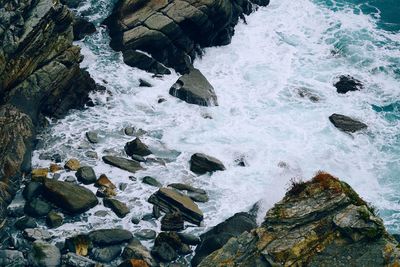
x: 137, y: 147
x: 346, y: 124
x: 347, y: 83
x: 317, y: 223
x: 194, y: 88
x: 146, y: 234
x: 122, y: 163
x: 201, y: 164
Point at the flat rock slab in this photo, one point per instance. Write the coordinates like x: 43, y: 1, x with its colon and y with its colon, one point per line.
x: 123, y: 163
x: 72, y: 198
x: 346, y: 124
x: 170, y: 200
x: 194, y: 88
x: 108, y: 237
x: 201, y: 164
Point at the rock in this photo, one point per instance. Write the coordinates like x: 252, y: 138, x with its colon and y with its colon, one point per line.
x: 146, y: 234
x: 12, y: 258
x: 174, y: 241
x: 103, y: 181
x: 72, y: 198
x: 55, y: 168
x: 138, y: 158
x: 101, y: 213
x: 32, y: 190
x: 25, y: 222
x: 135, y: 250
x: 119, y: 208
x: 37, y: 208
x: 54, y: 219
x: 164, y: 253
x: 106, y: 254
x: 86, y: 175
x: 144, y: 83
x: 56, y: 158
x: 108, y: 237
x: 91, y: 154
x: 123, y: 186
x: 73, y: 260
x: 106, y: 192
x: 198, y: 197
x: 133, y: 263
x: 194, y: 88
x: 347, y: 83
x: 70, y: 179
x: 305, y: 93
x: 36, y: 234
x: 56, y: 176
x: 82, y: 27
x: 135, y: 219
x: 151, y: 181
x: 189, y: 239
x: 142, y: 61
x: 39, y: 174
x: 79, y: 244
x: 346, y: 124
x: 186, y: 187
x: 201, y: 163
x: 122, y: 163
x: 161, y: 100
x: 44, y: 254
x: 172, y: 222
x: 324, y: 214
x: 137, y: 147
x: 217, y: 236
x: 92, y: 137
x: 170, y: 200
x: 156, y: 212
x: 72, y: 165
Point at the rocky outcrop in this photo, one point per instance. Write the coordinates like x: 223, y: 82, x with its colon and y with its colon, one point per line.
x: 318, y: 223
x: 194, y: 88
x: 346, y: 124
x: 172, y: 32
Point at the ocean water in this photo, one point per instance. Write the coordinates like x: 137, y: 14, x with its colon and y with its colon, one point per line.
x: 287, y: 47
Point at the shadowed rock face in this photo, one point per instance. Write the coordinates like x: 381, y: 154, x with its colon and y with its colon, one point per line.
x: 317, y: 223
x: 172, y: 32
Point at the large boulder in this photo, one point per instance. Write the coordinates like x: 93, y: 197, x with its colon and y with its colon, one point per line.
x: 44, y: 254
x: 317, y: 223
x: 137, y: 147
x: 169, y: 200
x: 194, y: 88
x: 122, y: 163
x: 86, y: 175
x: 346, y: 124
x: 72, y: 198
x: 201, y: 163
x: 172, y: 32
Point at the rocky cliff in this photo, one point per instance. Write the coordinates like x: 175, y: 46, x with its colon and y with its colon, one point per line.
x: 322, y: 222
x: 39, y: 76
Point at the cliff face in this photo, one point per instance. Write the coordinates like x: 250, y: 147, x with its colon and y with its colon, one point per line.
x: 322, y: 222
x: 39, y: 76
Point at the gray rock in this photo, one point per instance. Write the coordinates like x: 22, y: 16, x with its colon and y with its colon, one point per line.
x: 135, y: 250
x: 106, y: 254
x: 123, y: 186
x: 198, y: 197
x: 144, y: 83
x: 142, y: 61
x: 151, y: 181
x: 172, y: 222
x: 31, y: 190
x: 137, y: 147
x: 86, y: 175
x: 189, y: 239
x: 194, y: 88
x: 346, y: 124
x: 92, y: 137
x: 54, y: 219
x: 164, y: 253
x: 81, y: 28
x: 12, y: 258
x: 108, y: 237
x: 101, y: 213
x: 119, y: 208
x: 37, y: 208
x: 73, y: 260
x: 201, y: 163
x: 91, y: 154
x: 138, y: 158
x: 36, y: 234
x: 135, y: 219
x: 146, y: 234
x: 186, y: 187
x: 44, y: 254
x: 25, y: 222
x: 122, y: 163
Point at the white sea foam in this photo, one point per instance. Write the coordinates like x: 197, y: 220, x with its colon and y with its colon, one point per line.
x: 284, y: 47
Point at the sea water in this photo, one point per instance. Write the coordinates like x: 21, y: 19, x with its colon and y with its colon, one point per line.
x: 287, y: 47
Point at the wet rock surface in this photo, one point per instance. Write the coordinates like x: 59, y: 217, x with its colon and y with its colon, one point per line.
x: 119, y: 208
x: 201, y: 164
x: 347, y: 83
x: 346, y: 124
x: 122, y: 163
x: 108, y: 237
x: 137, y: 147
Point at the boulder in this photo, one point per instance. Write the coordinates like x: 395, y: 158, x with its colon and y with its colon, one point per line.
x: 174, y: 241
x: 54, y: 219
x: 39, y: 174
x: 201, y: 164
x: 137, y: 147
x: 151, y: 181
x: 164, y: 253
x: 146, y: 234
x: 172, y: 222
x: 189, y: 239
x: 32, y: 190
x: 135, y: 250
x: 197, y: 197
x: 347, y: 83
x: 86, y: 175
x: 346, y: 124
x: 79, y: 244
x: 81, y: 28
x: 44, y: 254
x: 122, y: 163
x: 170, y: 200
x: 119, y: 208
x: 144, y: 83
x: 108, y: 237
x: 12, y: 258
x: 37, y: 208
x: 217, y: 236
x: 72, y: 198
x: 36, y: 234
x: 25, y: 222
x: 104, y: 181
x: 72, y: 165
x: 73, y: 260
x: 106, y: 254
x: 92, y: 137
x: 194, y: 88
x: 317, y: 223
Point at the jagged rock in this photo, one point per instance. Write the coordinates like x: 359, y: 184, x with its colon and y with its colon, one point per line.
x: 54, y: 219
x: 31, y: 190
x: 70, y: 197
x: 201, y: 163
x: 92, y: 137
x: 135, y: 250
x: 12, y: 258
x: 146, y: 234
x: 119, y: 208
x: 151, y: 181
x: 317, y: 223
x: 72, y: 165
x: 73, y: 260
x: 108, y: 237
x: 170, y: 200
x: 86, y: 175
x: 144, y: 83
x: 79, y: 244
x: 347, y: 83
x: 164, y: 253
x: 217, y: 236
x: 106, y: 254
x: 37, y: 207
x: 25, y: 222
x: 82, y: 27
x: 189, y: 239
x: 172, y: 32
x: 194, y: 88
x: 172, y: 222
x: 36, y: 234
x: 137, y: 147
x: 122, y: 163
x: 346, y: 124
x: 44, y: 254
x: 105, y: 192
